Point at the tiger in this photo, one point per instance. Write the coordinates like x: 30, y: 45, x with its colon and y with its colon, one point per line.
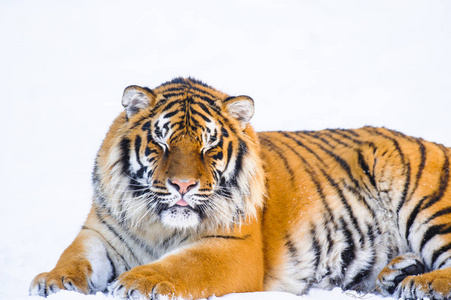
x: 190, y: 202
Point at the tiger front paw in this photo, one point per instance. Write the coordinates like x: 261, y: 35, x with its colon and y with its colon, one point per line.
x: 397, y: 270
x: 48, y: 283
x: 144, y: 282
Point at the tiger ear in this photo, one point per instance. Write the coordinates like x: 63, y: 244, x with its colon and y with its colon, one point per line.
x: 136, y: 98
x: 241, y: 108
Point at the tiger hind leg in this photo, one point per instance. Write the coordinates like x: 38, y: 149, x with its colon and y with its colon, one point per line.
x: 404, y: 278
x: 433, y: 285
x: 397, y: 270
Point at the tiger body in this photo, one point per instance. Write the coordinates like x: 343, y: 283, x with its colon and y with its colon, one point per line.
x: 347, y: 202
x: 190, y: 202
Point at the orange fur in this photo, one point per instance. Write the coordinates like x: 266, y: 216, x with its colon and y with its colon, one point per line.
x: 72, y: 269
x: 288, y: 210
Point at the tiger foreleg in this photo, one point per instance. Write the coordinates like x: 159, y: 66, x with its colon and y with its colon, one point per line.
x: 83, y: 267
x: 214, y: 266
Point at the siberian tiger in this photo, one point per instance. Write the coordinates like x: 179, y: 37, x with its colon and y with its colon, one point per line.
x: 190, y: 202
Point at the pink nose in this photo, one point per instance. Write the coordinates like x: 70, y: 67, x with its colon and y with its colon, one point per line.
x: 183, y: 186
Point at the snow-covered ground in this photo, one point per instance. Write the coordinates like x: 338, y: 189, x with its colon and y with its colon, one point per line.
x: 307, y: 64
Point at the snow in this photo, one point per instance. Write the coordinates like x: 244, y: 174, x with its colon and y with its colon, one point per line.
x: 307, y: 64
x: 336, y: 294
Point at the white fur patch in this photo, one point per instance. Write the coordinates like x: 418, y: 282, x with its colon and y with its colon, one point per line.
x: 180, y: 217
x: 101, y: 267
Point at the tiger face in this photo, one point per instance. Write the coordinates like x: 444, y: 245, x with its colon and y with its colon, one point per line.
x: 178, y: 157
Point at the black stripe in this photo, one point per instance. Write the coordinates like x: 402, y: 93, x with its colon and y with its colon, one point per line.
x: 442, y: 264
x: 315, y: 247
x: 176, y: 89
x: 403, y: 161
x: 224, y: 190
x: 125, y: 155
x: 180, y: 85
x: 439, y: 252
x: 110, y: 228
x: 343, y: 164
x: 364, y: 273
x: 204, y: 117
x: 440, y: 213
x: 227, y: 237
x: 312, y: 174
x: 170, y: 114
x: 413, y: 216
x: 137, y: 148
x: 140, y: 174
x: 146, y: 126
x: 206, y: 92
x: 348, y: 254
x: 433, y: 231
x: 143, y: 245
x: 339, y: 192
x: 218, y: 156
x: 286, y: 134
x: 157, y: 130
x: 210, y: 101
x: 149, y: 115
x: 343, y: 133
x: 361, y: 275
x: 330, y: 241
x: 167, y: 242
x: 278, y: 151
x: 340, y: 140
x: 444, y: 178
x: 173, y: 95
x: 113, y: 274
x: 330, y: 136
x: 242, y: 150
x: 365, y: 200
x: 291, y: 248
x: 184, y: 87
x: 193, y: 121
x: 152, y: 159
x: 160, y: 194
x: 370, y: 234
x: 420, y: 166
x: 352, y: 132
x: 111, y: 246
x: 346, y: 204
x: 224, y: 132
x: 208, y: 109
x: 169, y: 105
x: 365, y: 168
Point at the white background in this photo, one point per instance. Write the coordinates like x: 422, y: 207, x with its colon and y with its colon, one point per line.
x: 307, y: 64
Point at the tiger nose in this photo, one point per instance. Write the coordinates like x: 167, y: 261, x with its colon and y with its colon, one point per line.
x: 183, y: 186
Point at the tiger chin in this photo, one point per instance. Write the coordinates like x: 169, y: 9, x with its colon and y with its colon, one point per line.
x: 189, y: 201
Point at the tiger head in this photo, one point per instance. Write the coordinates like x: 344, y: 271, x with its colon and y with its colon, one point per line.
x: 182, y: 154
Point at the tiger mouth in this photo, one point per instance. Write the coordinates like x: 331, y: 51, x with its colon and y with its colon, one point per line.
x: 181, y: 217
x: 176, y: 208
x: 182, y: 202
